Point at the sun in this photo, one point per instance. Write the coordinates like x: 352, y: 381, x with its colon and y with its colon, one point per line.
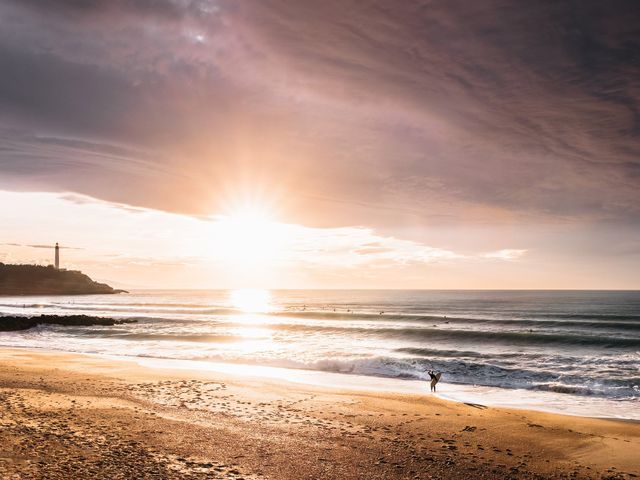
x: 248, y: 237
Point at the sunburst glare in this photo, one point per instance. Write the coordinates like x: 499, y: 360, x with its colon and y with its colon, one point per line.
x: 250, y: 237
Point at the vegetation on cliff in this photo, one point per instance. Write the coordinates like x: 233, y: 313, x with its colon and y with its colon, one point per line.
x: 40, y: 280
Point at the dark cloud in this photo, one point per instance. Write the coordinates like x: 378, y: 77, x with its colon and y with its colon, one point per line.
x: 48, y: 90
x: 159, y: 8
x: 536, y: 104
x: 369, y: 113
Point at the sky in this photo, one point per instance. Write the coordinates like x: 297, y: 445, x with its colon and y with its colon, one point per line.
x: 305, y: 144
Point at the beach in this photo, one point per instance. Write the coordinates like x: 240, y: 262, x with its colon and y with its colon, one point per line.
x: 66, y: 415
x: 562, y: 352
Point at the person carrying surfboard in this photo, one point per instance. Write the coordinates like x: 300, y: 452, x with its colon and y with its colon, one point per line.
x: 435, y: 378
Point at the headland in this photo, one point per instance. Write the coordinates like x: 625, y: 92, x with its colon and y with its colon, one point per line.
x: 48, y: 280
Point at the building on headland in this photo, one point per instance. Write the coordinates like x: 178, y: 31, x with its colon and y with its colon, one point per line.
x: 26, y: 279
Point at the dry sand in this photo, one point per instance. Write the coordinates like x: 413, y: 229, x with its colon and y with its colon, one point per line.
x: 75, y: 417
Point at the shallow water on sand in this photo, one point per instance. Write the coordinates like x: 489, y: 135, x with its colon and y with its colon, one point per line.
x: 570, y: 351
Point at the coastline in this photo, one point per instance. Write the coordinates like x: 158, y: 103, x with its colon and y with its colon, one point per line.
x: 497, y: 397
x: 514, y: 399
x: 213, y: 424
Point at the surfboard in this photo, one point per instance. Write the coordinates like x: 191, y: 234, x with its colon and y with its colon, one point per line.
x: 438, y: 375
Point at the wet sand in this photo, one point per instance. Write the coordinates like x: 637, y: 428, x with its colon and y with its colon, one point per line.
x: 73, y: 416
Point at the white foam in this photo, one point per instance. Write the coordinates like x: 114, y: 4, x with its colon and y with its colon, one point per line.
x: 478, y: 395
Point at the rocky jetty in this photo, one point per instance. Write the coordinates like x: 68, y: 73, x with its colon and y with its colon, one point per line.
x: 9, y: 323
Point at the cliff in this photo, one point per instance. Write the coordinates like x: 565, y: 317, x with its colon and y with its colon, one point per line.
x: 39, y: 280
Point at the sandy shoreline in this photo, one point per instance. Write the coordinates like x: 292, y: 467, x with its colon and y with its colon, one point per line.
x: 73, y: 416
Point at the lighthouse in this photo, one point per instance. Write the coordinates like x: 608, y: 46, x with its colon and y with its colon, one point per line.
x: 57, y: 262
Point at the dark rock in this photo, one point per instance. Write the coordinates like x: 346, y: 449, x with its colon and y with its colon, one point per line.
x: 12, y: 323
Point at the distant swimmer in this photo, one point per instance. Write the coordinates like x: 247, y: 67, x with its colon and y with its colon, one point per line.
x: 435, y: 378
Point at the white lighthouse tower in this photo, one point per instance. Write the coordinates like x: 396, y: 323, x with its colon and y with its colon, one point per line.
x: 57, y: 262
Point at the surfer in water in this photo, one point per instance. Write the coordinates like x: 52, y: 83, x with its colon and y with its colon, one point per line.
x: 435, y: 378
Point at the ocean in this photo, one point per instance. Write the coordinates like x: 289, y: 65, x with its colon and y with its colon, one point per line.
x: 575, y: 352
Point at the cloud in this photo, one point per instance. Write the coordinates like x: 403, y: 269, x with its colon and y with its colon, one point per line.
x: 174, y: 9
x: 414, y: 112
x: 505, y: 254
x: 47, y: 247
x: 165, y: 250
x: 172, y: 239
